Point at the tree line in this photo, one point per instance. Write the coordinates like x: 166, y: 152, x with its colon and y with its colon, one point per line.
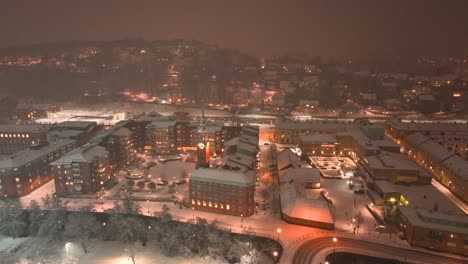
x: 124, y: 223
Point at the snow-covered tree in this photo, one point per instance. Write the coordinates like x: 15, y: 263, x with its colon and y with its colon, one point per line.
x: 13, y: 221
x: 36, y: 216
x: 82, y: 227
x: 127, y: 206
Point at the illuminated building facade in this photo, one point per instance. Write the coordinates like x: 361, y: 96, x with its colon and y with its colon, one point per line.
x: 14, y: 138
x: 24, y: 171
x: 81, y: 171
x: 223, y: 191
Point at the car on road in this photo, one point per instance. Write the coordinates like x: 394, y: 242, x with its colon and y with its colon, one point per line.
x: 359, y: 191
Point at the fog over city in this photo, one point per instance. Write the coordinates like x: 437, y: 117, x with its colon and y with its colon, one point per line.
x: 234, y: 132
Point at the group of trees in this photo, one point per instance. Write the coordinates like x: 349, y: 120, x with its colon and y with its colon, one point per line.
x: 53, y: 222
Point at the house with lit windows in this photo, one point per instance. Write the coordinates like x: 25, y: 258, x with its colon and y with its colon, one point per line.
x: 223, y: 191
x: 81, y: 171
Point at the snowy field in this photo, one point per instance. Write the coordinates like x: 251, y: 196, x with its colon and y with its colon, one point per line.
x: 33, y: 250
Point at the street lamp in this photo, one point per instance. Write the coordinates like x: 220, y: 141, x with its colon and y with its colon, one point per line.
x: 242, y: 218
x: 147, y: 203
x: 102, y: 203
x: 278, y: 231
x: 193, y: 213
x: 275, y: 253
x: 334, y: 243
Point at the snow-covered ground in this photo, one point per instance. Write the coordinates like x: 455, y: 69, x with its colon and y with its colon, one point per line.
x: 31, y: 250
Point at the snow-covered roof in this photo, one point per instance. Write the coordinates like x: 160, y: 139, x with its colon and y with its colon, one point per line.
x: 84, y: 154
x: 163, y: 124
x: 319, y: 138
x: 435, y: 220
x: 310, y: 126
x: 295, y: 205
x: 422, y: 196
x: 300, y: 175
x: 287, y: 158
x: 122, y: 132
x: 21, y: 158
x: 221, y: 176
x: 22, y: 128
x: 461, y: 128
x: 458, y: 165
x: 389, y: 160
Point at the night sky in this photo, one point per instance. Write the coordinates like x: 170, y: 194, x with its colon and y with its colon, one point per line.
x: 328, y: 27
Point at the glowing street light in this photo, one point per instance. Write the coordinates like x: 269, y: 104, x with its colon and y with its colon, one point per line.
x: 67, y: 245
x: 334, y: 243
x: 147, y: 203
x: 275, y: 253
x: 278, y: 231
x: 193, y: 213
x: 242, y: 218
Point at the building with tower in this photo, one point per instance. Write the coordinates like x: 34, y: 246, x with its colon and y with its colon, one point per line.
x: 203, y: 146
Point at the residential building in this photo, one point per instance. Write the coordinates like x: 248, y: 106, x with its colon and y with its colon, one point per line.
x: 14, y: 138
x: 24, y: 171
x: 161, y: 136
x: 434, y: 230
x: 81, y: 171
x: 223, y: 191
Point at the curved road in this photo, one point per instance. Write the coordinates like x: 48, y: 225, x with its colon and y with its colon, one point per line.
x: 309, y: 252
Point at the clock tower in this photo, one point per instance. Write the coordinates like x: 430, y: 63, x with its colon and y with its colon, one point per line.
x: 203, y: 146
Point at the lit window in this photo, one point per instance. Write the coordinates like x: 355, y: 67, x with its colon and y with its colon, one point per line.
x: 193, y: 201
x: 228, y: 207
x: 17, y: 179
x: 204, y: 203
x: 210, y: 204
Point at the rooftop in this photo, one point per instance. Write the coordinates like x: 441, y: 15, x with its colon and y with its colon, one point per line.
x: 28, y: 155
x: 390, y: 160
x: 22, y: 128
x: 223, y: 176
x: 287, y: 158
x: 82, y: 125
x: 311, y: 126
x: 122, y: 132
x: 458, y: 165
x: 300, y: 175
x: 83, y: 154
x: 428, y: 126
x: 295, y: 204
x: 421, y: 196
x: 319, y: 138
x: 436, y: 220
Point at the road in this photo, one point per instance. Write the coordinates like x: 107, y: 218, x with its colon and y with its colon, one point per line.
x: 314, y: 251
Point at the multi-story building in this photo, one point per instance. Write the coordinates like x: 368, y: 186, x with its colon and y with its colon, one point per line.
x: 161, y: 136
x: 14, y: 138
x: 186, y: 135
x: 226, y: 133
x: 434, y: 230
x: 223, y: 191
x: 290, y: 132
x: 445, y: 166
x: 458, y: 144
x: 398, y: 130
x: 81, y: 171
x: 120, y: 146
x: 88, y: 128
x: 26, y: 170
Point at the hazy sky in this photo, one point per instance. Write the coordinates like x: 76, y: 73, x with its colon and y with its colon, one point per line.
x: 328, y: 27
